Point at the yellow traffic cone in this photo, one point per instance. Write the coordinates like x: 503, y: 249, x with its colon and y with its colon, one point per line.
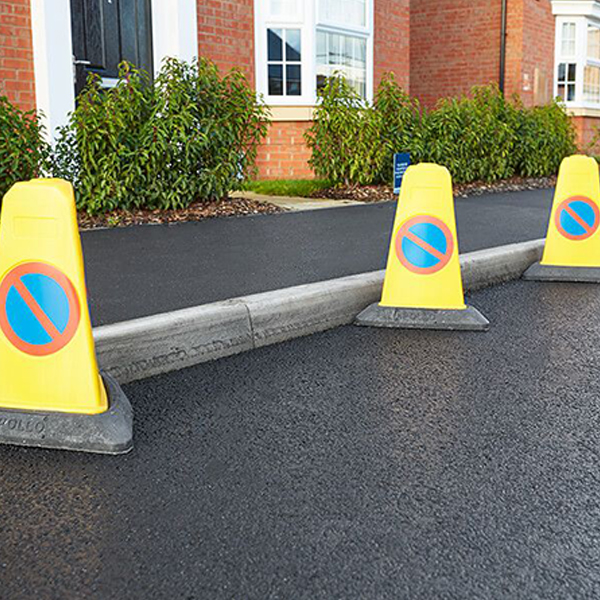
x: 51, y: 393
x: 423, y: 286
x: 572, y: 249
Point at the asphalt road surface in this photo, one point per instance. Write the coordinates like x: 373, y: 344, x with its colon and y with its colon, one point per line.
x: 140, y: 271
x: 358, y: 463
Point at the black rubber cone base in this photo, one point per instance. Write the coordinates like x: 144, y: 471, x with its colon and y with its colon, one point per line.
x: 539, y: 272
x: 468, y: 319
x: 110, y: 432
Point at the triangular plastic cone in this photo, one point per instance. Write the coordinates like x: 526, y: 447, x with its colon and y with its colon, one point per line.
x: 423, y: 285
x: 572, y: 249
x: 51, y: 393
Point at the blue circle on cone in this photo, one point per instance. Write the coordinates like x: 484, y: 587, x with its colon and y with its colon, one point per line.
x: 584, y: 211
x: 49, y: 297
x: 418, y: 255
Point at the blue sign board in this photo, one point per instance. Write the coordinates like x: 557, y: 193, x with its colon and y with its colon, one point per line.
x: 401, y: 163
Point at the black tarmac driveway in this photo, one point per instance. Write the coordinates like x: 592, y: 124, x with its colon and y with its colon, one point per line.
x: 140, y: 271
x: 357, y: 463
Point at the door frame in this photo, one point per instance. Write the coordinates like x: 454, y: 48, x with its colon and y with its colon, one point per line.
x: 174, y: 34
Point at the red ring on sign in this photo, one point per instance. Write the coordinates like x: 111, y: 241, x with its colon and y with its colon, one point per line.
x: 66, y: 336
x: 590, y: 230
x: 443, y: 260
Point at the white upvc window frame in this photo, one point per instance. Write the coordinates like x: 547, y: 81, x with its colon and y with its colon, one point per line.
x: 307, y: 21
x: 582, y: 14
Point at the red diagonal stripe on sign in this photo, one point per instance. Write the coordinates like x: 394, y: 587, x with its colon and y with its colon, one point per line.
x: 36, y: 309
x: 424, y: 245
x: 577, y: 218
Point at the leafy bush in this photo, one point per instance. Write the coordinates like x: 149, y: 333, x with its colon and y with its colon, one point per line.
x: 545, y: 136
x: 399, y: 123
x: 102, y: 149
x: 192, y: 135
x: 480, y: 137
x: 24, y: 152
x: 474, y: 137
x: 344, y: 137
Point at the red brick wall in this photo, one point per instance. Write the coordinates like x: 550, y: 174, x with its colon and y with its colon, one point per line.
x: 530, y: 50
x: 391, y: 41
x: 16, y: 53
x: 226, y: 34
x: 454, y: 45
x: 587, y: 129
x: 284, y: 154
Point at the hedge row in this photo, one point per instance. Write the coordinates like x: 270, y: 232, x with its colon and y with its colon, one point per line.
x: 483, y: 137
x: 192, y: 134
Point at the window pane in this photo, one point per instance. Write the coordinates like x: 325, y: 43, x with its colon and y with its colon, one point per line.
x: 344, y: 12
x: 570, y: 93
x: 276, y: 80
x: 568, y: 39
x: 562, y: 71
x: 293, y: 80
x: 572, y: 71
x: 284, y: 8
x: 321, y: 48
x: 292, y: 45
x: 591, y: 84
x: 343, y: 54
x: 274, y: 44
x: 593, y: 42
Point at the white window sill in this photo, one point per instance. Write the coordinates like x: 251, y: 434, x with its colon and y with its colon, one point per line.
x: 291, y: 113
x: 583, y: 111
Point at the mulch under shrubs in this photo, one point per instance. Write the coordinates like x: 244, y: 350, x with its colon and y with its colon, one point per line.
x: 198, y: 211
x: 381, y: 193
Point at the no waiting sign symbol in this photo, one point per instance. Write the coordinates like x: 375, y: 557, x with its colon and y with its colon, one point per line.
x: 577, y: 218
x: 39, y: 309
x: 424, y: 244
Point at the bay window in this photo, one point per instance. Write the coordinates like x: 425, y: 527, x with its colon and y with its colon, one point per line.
x: 301, y: 43
x: 577, y: 59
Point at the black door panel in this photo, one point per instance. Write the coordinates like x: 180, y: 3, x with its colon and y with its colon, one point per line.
x: 106, y: 32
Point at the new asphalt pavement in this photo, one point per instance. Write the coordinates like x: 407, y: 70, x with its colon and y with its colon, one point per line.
x: 145, y: 270
x: 357, y: 463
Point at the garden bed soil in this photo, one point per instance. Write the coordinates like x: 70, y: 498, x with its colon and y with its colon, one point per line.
x: 381, y: 193
x: 198, y: 211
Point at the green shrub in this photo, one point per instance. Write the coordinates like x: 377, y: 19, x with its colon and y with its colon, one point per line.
x: 399, y: 118
x: 24, y: 152
x: 482, y: 137
x: 474, y: 137
x: 344, y: 137
x: 192, y: 135
x: 545, y: 136
x: 101, y: 151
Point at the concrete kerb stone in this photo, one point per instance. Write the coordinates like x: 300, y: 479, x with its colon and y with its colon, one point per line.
x: 166, y: 342
x: 158, y: 344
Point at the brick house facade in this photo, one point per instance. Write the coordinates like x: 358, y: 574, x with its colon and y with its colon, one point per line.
x: 436, y: 48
